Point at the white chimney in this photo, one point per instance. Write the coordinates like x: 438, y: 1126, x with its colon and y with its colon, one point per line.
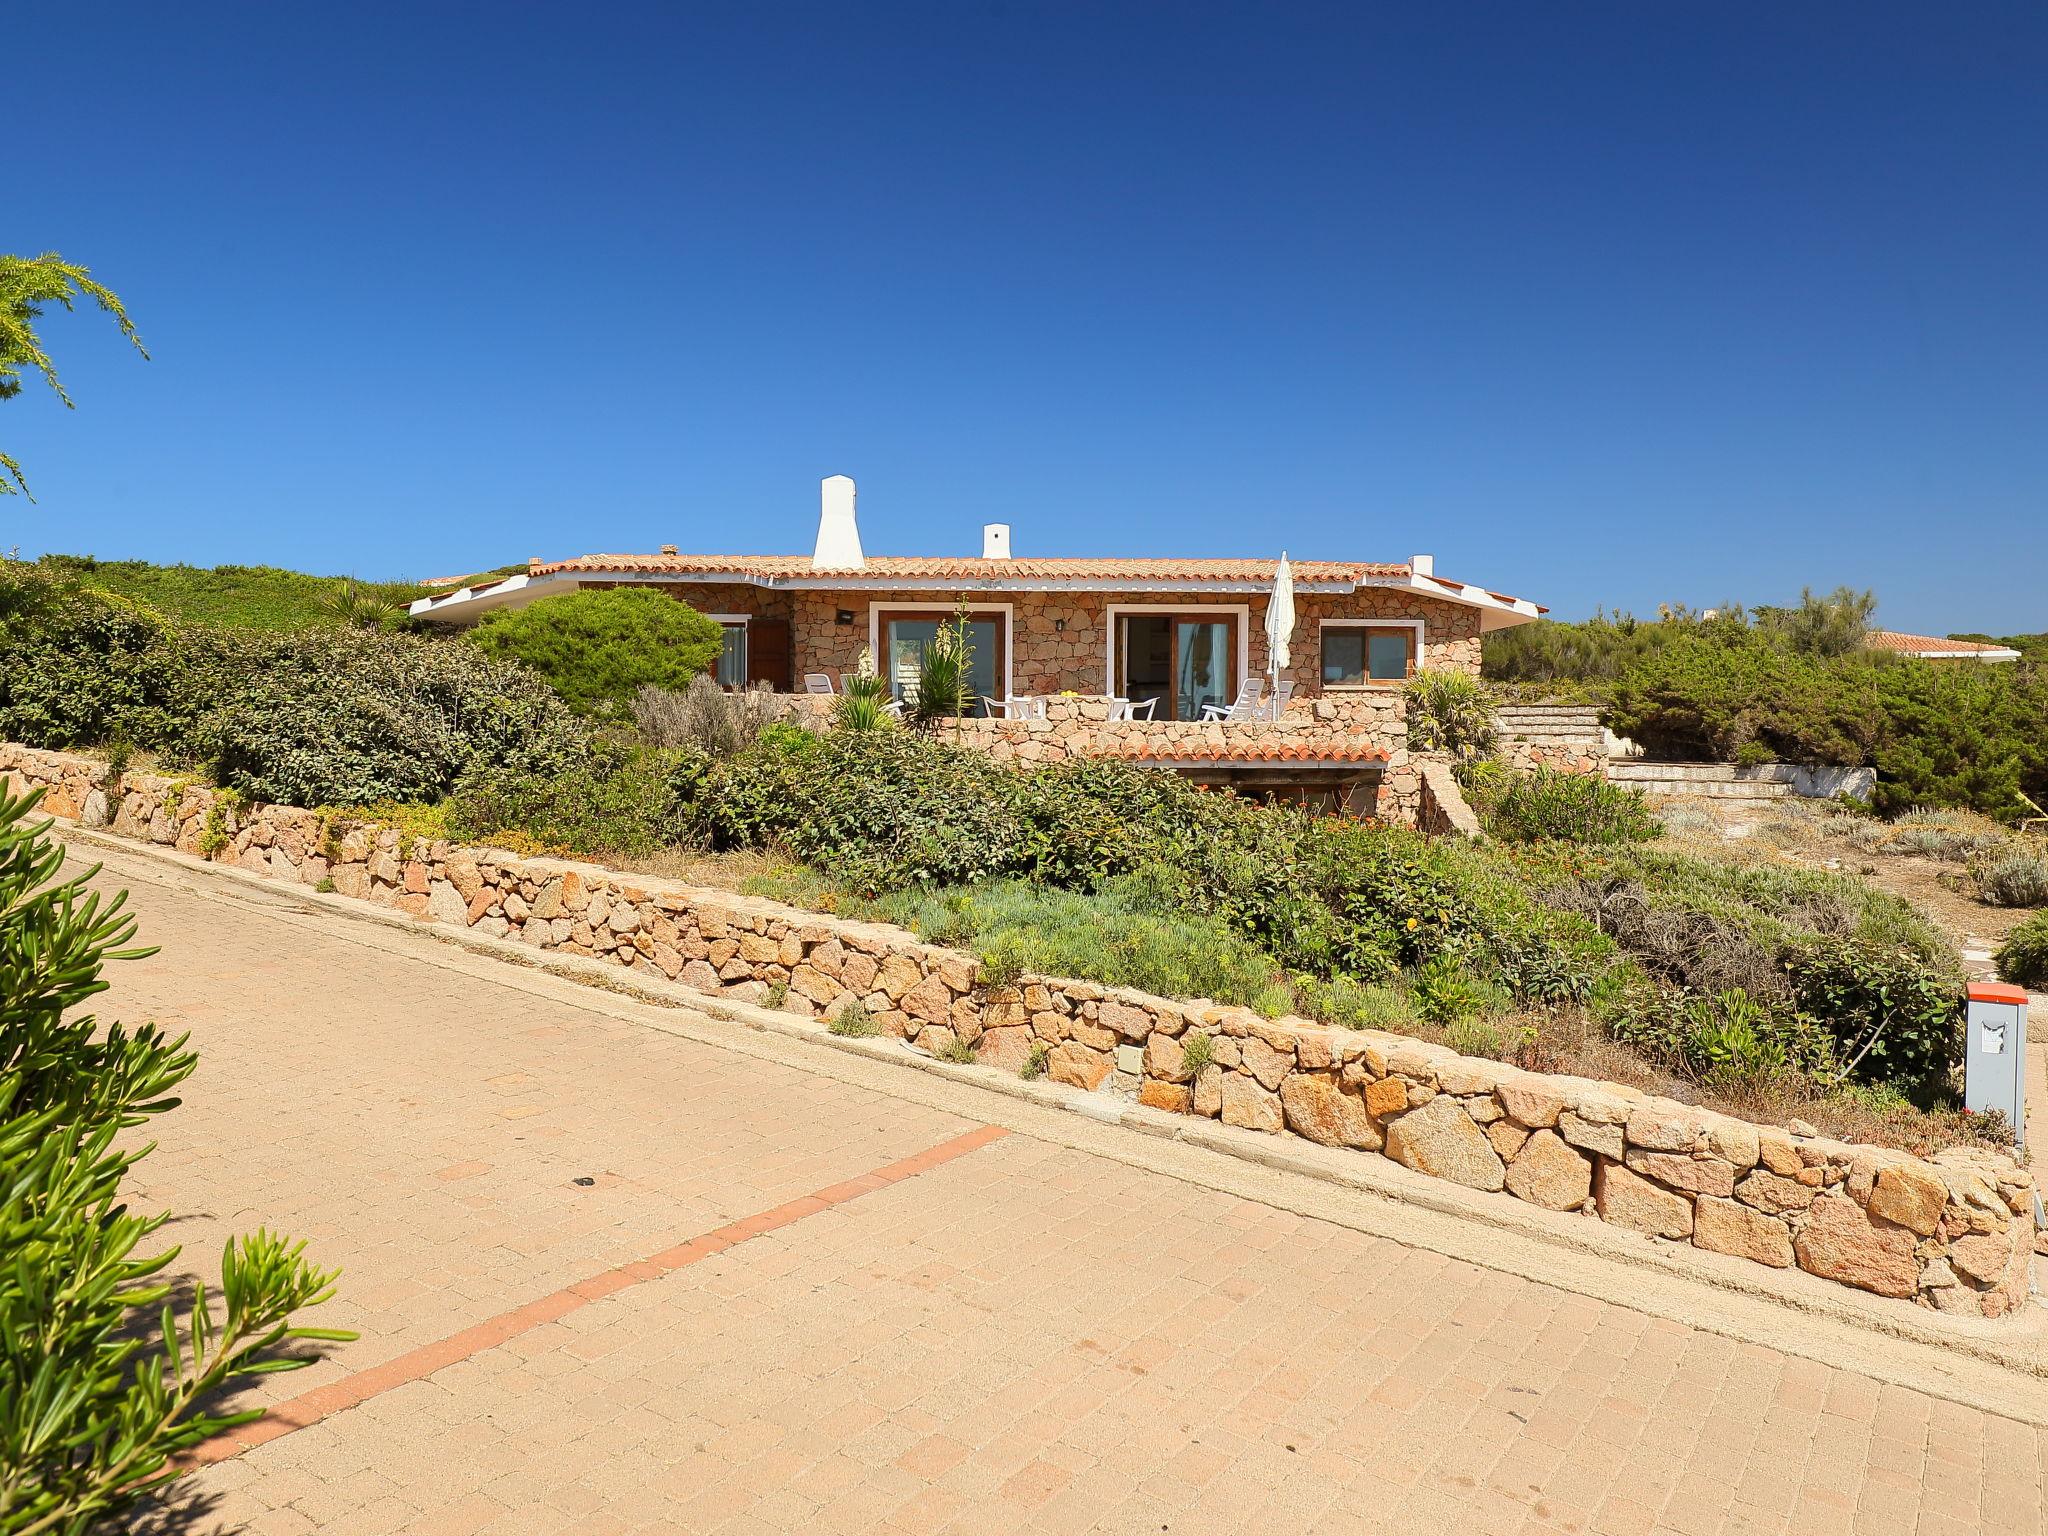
x: 995, y: 541
x: 838, y: 534
x: 1422, y: 565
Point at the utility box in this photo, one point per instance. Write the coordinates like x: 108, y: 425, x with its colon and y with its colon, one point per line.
x: 1995, y: 1069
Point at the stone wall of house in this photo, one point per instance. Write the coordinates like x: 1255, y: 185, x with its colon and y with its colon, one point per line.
x: 1952, y: 1232
x: 1059, y: 641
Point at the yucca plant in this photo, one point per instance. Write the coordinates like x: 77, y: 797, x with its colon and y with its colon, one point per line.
x: 357, y: 606
x: 104, y: 1378
x: 943, y: 674
x: 864, y: 706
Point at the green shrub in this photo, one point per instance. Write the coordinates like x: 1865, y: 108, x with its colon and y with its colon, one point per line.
x: 1452, y: 712
x: 1197, y: 1052
x: 1035, y: 1063
x: 231, y: 596
x: 598, y: 648
x: 345, y: 717
x: 1893, y: 1017
x: 1572, y: 807
x: 615, y: 799
x: 1445, y: 993
x: 2017, y: 880
x: 104, y: 1382
x: 1352, y: 1004
x: 313, y: 718
x: 1861, y: 964
x: 1020, y: 928
x: 2023, y: 958
x: 1722, y: 689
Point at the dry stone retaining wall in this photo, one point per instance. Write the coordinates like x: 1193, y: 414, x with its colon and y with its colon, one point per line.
x: 1565, y: 737
x: 1953, y: 1232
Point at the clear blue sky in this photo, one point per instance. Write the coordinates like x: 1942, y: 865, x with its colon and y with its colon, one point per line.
x: 1599, y: 304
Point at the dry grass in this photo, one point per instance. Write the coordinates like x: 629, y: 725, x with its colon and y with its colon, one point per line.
x: 1569, y: 1042
x: 1925, y: 859
x: 734, y: 871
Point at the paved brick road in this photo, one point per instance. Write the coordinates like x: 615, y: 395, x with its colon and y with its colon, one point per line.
x: 990, y: 1334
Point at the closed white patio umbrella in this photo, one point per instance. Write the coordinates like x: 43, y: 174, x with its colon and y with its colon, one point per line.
x: 1280, y: 623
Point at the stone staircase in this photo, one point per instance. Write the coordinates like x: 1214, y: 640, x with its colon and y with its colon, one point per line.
x: 1555, y: 735
x: 1712, y: 781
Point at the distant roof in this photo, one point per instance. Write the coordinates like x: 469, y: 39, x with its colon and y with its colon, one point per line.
x: 1935, y: 648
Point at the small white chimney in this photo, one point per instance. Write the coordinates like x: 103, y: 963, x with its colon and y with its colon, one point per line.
x: 838, y: 534
x: 1422, y: 565
x: 995, y: 541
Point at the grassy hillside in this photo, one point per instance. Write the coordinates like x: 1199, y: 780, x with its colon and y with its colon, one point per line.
x: 238, y: 596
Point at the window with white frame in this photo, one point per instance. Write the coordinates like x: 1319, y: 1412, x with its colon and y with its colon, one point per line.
x: 1364, y: 653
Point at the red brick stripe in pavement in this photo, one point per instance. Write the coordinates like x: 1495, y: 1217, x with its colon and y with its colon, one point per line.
x: 415, y: 1365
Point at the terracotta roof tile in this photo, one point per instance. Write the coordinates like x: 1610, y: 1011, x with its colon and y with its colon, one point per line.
x: 929, y: 566
x: 1256, y: 751
x: 1920, y: 645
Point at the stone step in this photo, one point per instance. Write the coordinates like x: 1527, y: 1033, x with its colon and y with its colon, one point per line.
x: 1642, y: 768
x: 1710, y: 789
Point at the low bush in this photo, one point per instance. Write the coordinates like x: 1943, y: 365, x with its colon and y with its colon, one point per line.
x: 336, y: 716
x: 1725, y: 690
x: 598, y: 648
x: 704, y: 717
x: 2023, y: 958
x: 350, y: 716
x: 1861, y: 965
x: 1571, y: 807
x: 2016, y: 880
x: 1020, y: 928
x: 1222, y: 897
x: 616, y: 799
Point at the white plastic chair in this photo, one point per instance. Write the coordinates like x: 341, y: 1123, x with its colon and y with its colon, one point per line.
x: 1021, y: 707
x: 1244, y: 707
x: 1281, y: 696
x: 818, y: 682
x: 1132, y: 709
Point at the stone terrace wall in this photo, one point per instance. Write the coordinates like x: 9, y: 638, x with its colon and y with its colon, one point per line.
x: 1952, y: 1232
x: 1567, y: 737
x: 1078, y: 725
x: 1442, y: 810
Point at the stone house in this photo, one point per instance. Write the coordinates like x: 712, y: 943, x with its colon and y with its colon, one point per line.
x: 1083, y: 635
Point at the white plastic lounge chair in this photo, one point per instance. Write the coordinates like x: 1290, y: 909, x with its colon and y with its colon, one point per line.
x: 1244, y: 707
x: 818, y: 682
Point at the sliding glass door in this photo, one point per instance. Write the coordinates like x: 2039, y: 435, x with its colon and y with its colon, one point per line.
x: 1183, y: 660
x: 905, y: 635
